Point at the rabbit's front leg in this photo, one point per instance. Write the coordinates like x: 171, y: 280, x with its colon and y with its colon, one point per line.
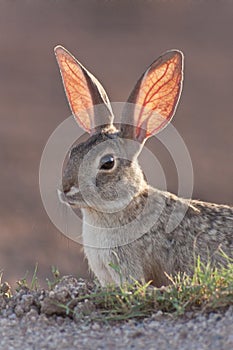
x: 99, y: 262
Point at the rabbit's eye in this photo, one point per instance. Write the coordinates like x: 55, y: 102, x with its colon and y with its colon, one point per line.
x: 107, y: 162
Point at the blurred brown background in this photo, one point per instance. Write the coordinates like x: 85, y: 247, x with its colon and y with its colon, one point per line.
x: 116, y: 40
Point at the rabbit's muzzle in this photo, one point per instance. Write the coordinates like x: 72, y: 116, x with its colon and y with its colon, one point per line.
x: 62, y: 197
x: 68, y: 197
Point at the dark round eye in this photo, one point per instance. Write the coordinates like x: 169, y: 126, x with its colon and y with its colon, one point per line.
x: 107, y: 162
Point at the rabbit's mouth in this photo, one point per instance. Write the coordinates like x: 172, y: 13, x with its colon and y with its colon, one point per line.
x: 69, y: 198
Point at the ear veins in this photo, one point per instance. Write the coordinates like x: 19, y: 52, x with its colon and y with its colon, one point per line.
x: 71, y: 79
x: 83, y: 92
x: 169, y: 92
x: 83, y: 97
x: 160, y: 127
x: 148, y: 92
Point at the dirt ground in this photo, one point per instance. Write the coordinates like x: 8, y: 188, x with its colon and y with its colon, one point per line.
x: 116, y: 41
x: 36, y: 320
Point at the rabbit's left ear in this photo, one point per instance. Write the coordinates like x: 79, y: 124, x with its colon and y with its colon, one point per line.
x: 153, y: 101
x: 83, y: 92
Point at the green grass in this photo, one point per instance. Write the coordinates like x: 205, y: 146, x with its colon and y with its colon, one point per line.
x: 209, y: 289
x: 33, y: 284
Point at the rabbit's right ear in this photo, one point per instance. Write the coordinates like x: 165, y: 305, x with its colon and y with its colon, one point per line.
x: 83, y: 92
x: 153, y: 101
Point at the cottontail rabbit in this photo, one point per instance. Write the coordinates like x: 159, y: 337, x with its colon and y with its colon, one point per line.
x: 124, y: 219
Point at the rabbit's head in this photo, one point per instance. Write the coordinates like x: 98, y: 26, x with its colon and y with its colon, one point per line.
x: 103, y: 173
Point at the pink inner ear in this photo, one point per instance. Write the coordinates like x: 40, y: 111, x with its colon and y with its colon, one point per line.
x: 76, y: 88
x: 159, y: 93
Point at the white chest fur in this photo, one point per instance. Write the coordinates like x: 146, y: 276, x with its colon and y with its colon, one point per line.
x: 101, y: 241
x: 97, y: 244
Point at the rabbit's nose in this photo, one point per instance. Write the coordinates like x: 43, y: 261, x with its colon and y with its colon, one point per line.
x: 66, y: 188
x: 66, y: 185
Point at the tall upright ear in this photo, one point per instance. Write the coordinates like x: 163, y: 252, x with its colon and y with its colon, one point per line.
x: 83, y: 92
x: 153, y: 101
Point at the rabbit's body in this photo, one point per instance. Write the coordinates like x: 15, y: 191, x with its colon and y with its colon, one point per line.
x: 155, y: 254
x: 147, y: 233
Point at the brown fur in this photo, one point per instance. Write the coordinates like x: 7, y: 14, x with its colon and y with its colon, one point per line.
x: 149, y: 234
